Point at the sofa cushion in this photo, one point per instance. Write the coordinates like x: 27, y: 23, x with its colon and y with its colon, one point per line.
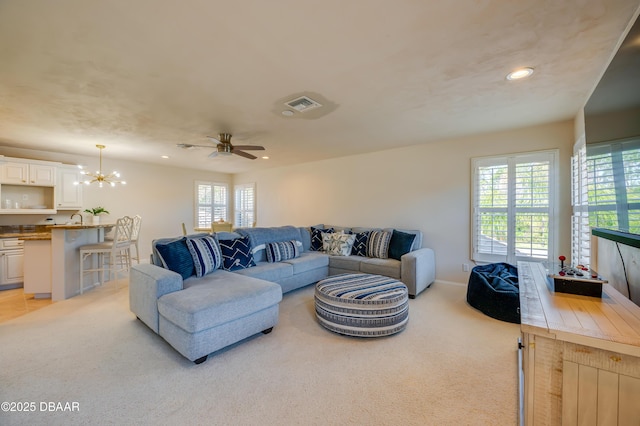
x: 236, y: 254
x: 337, y: 244
x: 283, y: 250
x: 400, y: 244
x: 316, y: 238
x: 216, y: 299
x: 268, y: 271
x: 351, y: 263
x: 175, y: 256
x: 378, y: 245
x: 206, y: 255
x: 308, y: 261
x: 376, y: 266
x: 360, y: 243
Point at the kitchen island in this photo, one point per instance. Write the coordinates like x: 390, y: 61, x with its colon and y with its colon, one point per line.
x: 65, y: 256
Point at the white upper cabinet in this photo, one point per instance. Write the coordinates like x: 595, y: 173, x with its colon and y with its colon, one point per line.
x: 15, y: 173
x: 68, y: 191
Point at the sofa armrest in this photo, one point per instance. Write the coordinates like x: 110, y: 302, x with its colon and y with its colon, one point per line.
x: 418, y: 270
x: 147, y: 283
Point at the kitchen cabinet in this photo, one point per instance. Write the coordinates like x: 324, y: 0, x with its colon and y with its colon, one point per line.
x: 68, y: 190
x: 11, y: 267
x: 37, y: 268
x: 27, y: 186
x: 19, y: 173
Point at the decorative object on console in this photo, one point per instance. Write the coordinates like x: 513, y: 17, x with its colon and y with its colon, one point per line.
x: 283, y: 250
x: 378, y: 245
x: 236, y: 254
x: 206, y: 254
x: 579, y: 280
x: 101, y: 178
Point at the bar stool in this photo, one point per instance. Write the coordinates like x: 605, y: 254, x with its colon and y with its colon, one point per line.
x: 113, y: 256
x: 135, y: 233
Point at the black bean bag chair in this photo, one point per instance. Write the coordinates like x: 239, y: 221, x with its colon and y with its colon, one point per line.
x: 493, y: 290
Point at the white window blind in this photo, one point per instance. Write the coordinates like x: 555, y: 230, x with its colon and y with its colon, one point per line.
x: 613, y: 171
x: 212, y: 201
x: 245, y: 205
x: 513, y: 207
x: 580, y: 229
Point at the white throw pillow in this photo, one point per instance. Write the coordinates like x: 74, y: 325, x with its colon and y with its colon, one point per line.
x: 338, y: 244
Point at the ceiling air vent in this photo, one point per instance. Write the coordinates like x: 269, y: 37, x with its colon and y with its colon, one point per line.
x: 303, y: 104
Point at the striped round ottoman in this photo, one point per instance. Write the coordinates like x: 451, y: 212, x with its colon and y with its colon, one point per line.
x: 362, y: 305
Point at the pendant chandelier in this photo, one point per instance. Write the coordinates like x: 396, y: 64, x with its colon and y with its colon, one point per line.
x: 101, y: 178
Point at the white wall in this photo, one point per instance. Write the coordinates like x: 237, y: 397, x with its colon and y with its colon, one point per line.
x: 424, y: 187
x: 163, y: 196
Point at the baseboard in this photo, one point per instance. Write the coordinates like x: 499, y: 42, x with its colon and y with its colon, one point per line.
x: 450, y: 283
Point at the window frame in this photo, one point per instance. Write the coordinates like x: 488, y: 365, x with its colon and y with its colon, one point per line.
x: 213, y: 205
x: 511, y: 210
x: 244, y: 216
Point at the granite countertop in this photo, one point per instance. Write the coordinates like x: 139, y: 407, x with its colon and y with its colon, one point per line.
x: 36, y: 236
x: 25, y: 231
x: 81, y: 226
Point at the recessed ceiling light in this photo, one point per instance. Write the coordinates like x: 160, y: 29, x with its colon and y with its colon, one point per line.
x: 520, y: 73
x: 164, y: 156
x: 265, y: 157
x: 287, y: 113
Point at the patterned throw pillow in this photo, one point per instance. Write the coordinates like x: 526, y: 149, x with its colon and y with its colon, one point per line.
x: 360, y: 244
x: 378, y: 245
x: 175, y: 256
x: 316, y: 238
x: 236, y: 254
x: 338, y: 244
x: 283, y: 250
x: 206, y: 254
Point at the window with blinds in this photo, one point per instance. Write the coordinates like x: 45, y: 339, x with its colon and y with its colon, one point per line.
x: 212, y: 200
x: 580, y: 229
x: 613, y: 176
x: 245, y: 205
x: 513, y: 206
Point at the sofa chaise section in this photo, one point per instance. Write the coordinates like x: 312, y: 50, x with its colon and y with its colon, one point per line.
x: 200, y: 315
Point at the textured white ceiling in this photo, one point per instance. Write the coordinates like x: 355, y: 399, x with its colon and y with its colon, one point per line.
x: 140, y: 76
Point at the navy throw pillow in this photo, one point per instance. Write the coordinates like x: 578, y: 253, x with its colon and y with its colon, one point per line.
x: 360, y: 244
x: 176, y: 257
x: 400, y: 244
x: 316, y: 238
x: 236, y: 254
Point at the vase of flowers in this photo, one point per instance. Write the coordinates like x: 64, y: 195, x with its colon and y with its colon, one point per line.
x: 95, y: 214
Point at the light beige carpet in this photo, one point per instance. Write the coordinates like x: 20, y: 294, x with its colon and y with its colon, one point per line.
x: 450, y: 366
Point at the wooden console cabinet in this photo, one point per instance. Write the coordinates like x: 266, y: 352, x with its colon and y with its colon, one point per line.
x: 580, y: 354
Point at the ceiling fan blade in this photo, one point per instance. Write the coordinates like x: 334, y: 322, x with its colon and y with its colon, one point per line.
x: 190, y: 145
x: 244, y: 154
x: 213, y: 154
x: 249, y: 147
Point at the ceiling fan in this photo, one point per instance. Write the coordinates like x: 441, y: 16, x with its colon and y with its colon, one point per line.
x: 224, y: 147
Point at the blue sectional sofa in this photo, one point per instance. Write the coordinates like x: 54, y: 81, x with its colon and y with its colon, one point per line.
x: 199, y: 307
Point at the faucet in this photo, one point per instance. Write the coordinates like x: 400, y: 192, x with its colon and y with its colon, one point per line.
x: 78, y: 214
